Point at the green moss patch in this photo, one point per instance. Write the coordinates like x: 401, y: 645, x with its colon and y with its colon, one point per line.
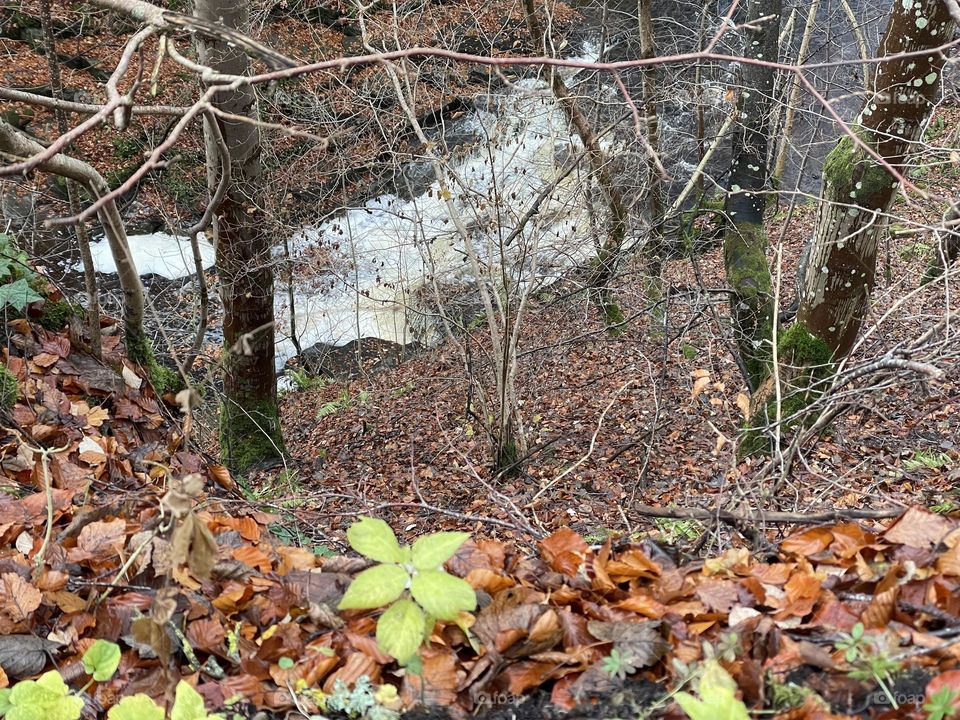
x: 9, y: 388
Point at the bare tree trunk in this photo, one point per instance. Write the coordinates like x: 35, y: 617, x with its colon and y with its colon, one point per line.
x: 83, y: 240
x: 795, y: 91
x: 655, y: 250
x: 745, y: 241
x: 616, y: 232
x: 857, y: 190
x: 249, y: 423
x: 948, y: 245
x: 138, y: 345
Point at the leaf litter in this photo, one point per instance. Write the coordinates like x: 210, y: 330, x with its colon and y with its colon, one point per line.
x: 147, y: 549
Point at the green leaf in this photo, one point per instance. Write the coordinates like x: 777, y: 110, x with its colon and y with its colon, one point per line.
x: 374, y: 539
x: 5, y: 704
x: 101, y: 660
x: 432, y: 551
x: 375, y: 587
x: 285, y: 663
x: 442, y: 595
x: 717, y: 690
x: 17, y: 294
x: 46, y: 698
x: 136, y: 707
x: 400, y: 630
x: 188, y: 704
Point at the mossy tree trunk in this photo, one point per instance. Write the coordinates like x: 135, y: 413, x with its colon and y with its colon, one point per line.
x: 249, y: 424
x: 745, y: 240
x: 16, y: 143
x: 857, y: 190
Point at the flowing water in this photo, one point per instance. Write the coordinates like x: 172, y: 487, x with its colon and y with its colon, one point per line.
x: 397, y: 257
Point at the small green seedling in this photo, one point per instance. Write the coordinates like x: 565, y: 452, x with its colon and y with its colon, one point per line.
x: 941, y: 705
x: 411, y: 580
x: 718, y: 697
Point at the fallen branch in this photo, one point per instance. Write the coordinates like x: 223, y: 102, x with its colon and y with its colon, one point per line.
x: 766, y: 516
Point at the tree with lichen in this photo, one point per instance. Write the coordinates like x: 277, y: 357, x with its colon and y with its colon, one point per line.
x: 745, y: 240
x: 249, y: 422
x: 858, y: 189
x: 856, y: 195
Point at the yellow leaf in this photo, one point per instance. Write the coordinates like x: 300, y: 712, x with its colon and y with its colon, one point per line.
x: 743, y: 402
x: 699, y: 386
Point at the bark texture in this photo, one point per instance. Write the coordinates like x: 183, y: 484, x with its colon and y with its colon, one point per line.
x: 745, y: 240
x: 857, y: 190
x: 249, y: 425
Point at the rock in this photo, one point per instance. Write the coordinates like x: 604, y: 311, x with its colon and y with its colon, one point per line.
x: 368, y: 355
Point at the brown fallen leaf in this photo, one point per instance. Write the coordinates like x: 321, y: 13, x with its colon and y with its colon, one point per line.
x: 919, y: 528
x: 640, y: 643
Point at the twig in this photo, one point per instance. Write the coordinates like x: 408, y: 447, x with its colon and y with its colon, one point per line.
x: 593, y: 442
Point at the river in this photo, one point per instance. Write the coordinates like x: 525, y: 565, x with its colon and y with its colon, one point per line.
x: 397, y: 257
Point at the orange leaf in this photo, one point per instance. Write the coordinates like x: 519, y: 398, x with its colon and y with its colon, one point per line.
x: 808, y: 542
x: 643, y: 605
x: 44, y: 359
x: 103, y: 537
x: 523, y: 676
x: 253, y: 557
x: 565, y: 551
x: 949, y: 679
x: 488, y: 580
x: 437, y: 684
x: 222, y: 477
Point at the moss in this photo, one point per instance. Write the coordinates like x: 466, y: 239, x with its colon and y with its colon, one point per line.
x: 613, y: 317
x: 55, y: 314
x: 806, y: 360
x: 751, y: 307
x: 116, y: 178
x: 784, y: 696
x: 745, y: 258
x: 9, y: 388
x: 798, y: 346
x: 163, y: 379
x: 249, y: 436
x: 847, y: 166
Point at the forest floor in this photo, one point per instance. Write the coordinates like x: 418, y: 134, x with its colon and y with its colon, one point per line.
x: 106, y: 532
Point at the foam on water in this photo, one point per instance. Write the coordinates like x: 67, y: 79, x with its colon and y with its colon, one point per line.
x: 389, y: 252
x: 159, y: 253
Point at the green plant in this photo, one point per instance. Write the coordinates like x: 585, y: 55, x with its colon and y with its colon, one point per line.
x: 617, y: 665
x: 941, y: 705
x: 362, y: 701
x: 342, y: 403
x: 411, y: 580
x: 126, y: 146
x: 49, y: 698
x: 673, y: 531
x: 304, y: 381
x: 868, y: 660
x: 15, y: 277
x: 9, y: 388
x: 717, y: 691
x: 927, y: 460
